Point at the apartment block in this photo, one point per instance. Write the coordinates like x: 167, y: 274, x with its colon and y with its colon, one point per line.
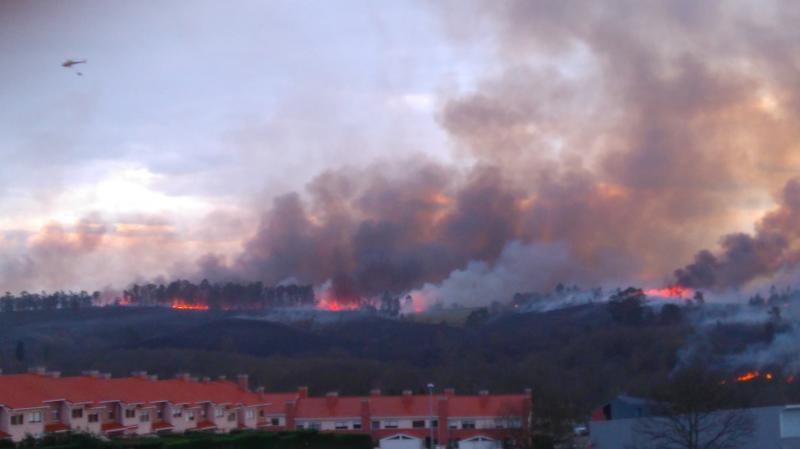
x: 40, y: 402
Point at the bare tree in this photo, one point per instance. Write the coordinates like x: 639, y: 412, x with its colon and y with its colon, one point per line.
x: 693, y: 411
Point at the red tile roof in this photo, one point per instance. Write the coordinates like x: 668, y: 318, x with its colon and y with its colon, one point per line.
x: 32, y: 390
x: 277, y: 402
x: 416, y: 405
x: 331, y: 407
x: 162, y: 425
x: 488, y: 405
x: 205, y: 425
x: 115, y: 427
x: 56, y: 427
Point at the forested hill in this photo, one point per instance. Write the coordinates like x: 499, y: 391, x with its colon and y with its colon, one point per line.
x: 579, y: 356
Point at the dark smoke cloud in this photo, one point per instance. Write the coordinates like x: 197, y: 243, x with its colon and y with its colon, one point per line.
x: 375, y: 232
x: 625, y: 133
x: 744, y: 257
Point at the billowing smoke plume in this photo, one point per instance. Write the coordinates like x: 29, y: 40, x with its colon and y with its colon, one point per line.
x: 380, y: 232
x: 744, y: 257
x: 627, y: 134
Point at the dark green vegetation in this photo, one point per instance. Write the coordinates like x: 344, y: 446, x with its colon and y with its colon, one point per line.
x: 243, y: 440
x: 574, y: 358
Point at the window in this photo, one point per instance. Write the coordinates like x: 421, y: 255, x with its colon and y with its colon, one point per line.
x: 468, y: 424
x: 130, y: 413
x: 276, y: 421
x: 356, y: 425
x: 77, y: 413
x: 219, y: 412
x: 176, y: 411
x: 16, y: 420
x: 93, y: 417
x: 249, y: 413
x: 341, y: 425
x: 232, y: 417
x: 435, y: 423
x: 111, y: 415
x: 499, y: 423
x: 35, y: 417
x: 190, y: 415
x: 376, y: 425
x: 160, y: 414
x: 261, y: 412
x: 300, y: 427
x: 314, y: 425
x: 144, y: 417
x: 452, y: 424
x: 56, y: 414
x: 390, y: 424
x: 418, y: 423
x: 203, y: 412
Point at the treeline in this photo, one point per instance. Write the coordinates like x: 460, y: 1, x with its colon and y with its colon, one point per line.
x: 26, y: 301
x: 219, y: 296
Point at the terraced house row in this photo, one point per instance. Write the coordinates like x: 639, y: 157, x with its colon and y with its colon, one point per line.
x: 41, y: 402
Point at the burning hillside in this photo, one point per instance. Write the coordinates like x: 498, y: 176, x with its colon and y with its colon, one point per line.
x: 185, y: 295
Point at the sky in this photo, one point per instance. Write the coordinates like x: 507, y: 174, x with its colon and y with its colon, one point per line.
x: 399, y: 146
x: 190, y: 112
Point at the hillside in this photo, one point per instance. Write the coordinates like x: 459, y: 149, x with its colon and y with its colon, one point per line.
x: 580, y: 355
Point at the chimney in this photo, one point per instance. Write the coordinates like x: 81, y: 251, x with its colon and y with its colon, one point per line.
x: 182, y: 376
x: 365, y: 415
x: 54, y: 374
x: 444, y: 414
x: 139, y: 374
x: 222, y: 378
x: 40, y: 370
x: 91, y: 373
x: 105, y: 376
x: 375, y: 392
x: 243, y: 380
x: 302, y: 392
x: 153, y: 377
x: 260, y: 392
x: 290, y: 413
x: 206, y: 379
x: 407, y: 392
x: 331, y: 398
x: 527, y: 407
x: 449, y: 392
x: 483, y: 398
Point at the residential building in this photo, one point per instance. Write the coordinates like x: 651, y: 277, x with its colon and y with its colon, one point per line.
x: 615, y: 426
x: 40, y: 402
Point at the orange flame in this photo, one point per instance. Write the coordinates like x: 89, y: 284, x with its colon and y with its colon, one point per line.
x: 180, y: 304
x: 673, y: 291
x: 334, y: 306
x: 751, y: 375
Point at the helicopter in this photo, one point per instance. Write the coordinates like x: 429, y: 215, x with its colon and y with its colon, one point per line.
x: 71, y: 62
